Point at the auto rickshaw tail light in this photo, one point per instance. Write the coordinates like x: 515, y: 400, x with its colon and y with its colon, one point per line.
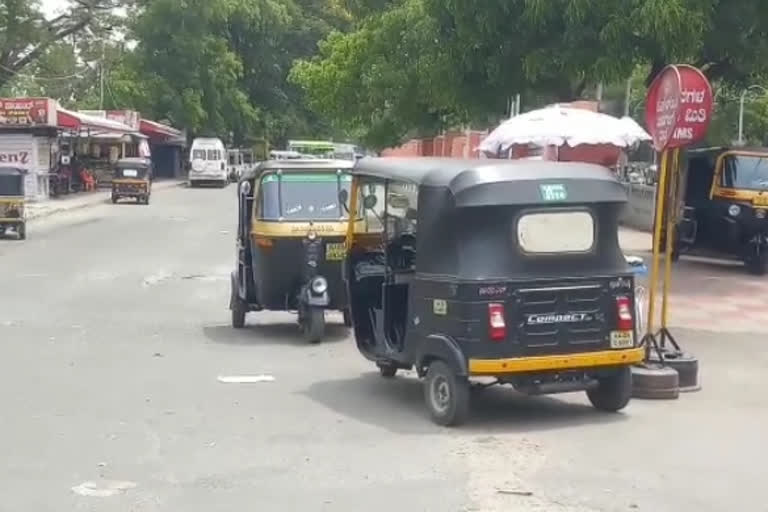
x: 624, y: 319
x: 497, y: 325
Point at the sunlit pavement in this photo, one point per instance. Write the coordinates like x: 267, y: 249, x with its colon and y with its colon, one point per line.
x: 115, y: 329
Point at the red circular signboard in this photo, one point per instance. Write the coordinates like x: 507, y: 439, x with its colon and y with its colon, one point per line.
x: 678, y: 108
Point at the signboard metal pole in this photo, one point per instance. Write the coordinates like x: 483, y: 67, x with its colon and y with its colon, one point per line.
x: 660, y: 201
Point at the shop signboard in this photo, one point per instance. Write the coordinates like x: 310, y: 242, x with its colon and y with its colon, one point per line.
x: 27, y: 112
x: 678, y: 107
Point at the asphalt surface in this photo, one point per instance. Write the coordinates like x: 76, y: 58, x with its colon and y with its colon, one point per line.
x: 114, y: 329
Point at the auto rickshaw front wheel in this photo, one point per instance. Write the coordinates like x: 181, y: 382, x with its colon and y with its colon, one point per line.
x: 757, y: 261
x: 446, y: 395
x: 313, y: 324
x: 612, y: 393
x: 114, y: 199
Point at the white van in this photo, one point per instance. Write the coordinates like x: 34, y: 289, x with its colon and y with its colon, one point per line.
x: 208, y: 159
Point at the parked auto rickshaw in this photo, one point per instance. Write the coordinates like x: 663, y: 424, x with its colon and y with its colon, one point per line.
x: 132, y: 178
x: 290, y: 242
x: 503, y: 269
x: 12, y: 201
x: 724, y: 198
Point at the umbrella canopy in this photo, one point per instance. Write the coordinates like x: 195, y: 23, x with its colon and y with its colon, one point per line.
x: 558, y: 126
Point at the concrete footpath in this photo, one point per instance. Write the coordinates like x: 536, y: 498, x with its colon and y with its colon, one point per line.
x: 42, y: 209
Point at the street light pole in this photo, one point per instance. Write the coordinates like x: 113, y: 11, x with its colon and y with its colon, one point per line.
x: 741, y: 110
x: 101, y: 78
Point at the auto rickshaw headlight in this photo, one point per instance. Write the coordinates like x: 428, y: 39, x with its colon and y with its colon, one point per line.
x: 760, y: 214
x: 734, y: 210
x: 319, y: 285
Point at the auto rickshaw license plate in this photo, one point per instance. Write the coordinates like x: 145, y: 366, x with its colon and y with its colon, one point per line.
x: 335, y: 251
x: 760, y: 200
x: 622, y: 339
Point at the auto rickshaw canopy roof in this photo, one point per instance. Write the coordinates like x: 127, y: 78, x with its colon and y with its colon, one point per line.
x: 134, y: 162
x: 298, y: 164
x: 499, y: 182
x: 12, y: 171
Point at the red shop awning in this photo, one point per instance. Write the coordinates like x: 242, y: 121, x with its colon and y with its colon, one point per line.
x: 69, y: 120
x: 158, y: 132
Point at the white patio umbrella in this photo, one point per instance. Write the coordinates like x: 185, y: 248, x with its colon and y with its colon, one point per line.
x: 558, y: 126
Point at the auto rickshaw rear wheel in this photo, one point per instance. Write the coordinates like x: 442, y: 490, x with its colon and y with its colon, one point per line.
x: 114, y: 199
x: 446, y: 395
x: 347, y: 317
x: 239, y: 310
x: 757, y: 262
x: 313, y: 324
x: 387, y: 370
x: 612, y: 393
x: 22, y: 231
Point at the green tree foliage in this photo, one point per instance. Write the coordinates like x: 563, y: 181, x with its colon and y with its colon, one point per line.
x: 26, y: 35
x: 461, y: 59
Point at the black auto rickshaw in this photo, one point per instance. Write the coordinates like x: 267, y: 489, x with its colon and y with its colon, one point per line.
x: 132, y: 178
x: 12, y: 199
x: 290, y: 242
x: 724, y: 195
x: 503, y: 269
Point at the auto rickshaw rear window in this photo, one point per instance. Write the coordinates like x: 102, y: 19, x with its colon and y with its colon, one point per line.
x: 576, y: 232
x: 302, y: 196
x: 745, y: 172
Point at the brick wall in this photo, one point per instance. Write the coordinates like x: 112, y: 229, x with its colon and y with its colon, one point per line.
x: 451, y: 144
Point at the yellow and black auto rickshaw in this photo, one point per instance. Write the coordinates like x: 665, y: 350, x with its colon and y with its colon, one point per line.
x: 12, y: 215
x: 290, y: 242
x: 502, y: 270
x: 132, y: 178
x: 724, y: 195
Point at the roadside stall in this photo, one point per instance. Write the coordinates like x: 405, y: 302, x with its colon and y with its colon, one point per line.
x: 28, y: 131
x: 167, y: 146
x: 564, y: 133
x: 94, y: 143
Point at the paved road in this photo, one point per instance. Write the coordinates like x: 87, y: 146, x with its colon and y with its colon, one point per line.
x: 114, y: 329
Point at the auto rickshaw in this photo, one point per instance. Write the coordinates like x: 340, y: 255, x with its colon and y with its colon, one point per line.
x: 132, y: 178
x: 724, y: 197
x: 509, y: 271
x: 290, y: 242
x: 12, y: 201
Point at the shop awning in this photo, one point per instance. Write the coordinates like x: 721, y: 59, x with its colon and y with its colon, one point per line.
x: 159, y: 132
x: 77, y: 121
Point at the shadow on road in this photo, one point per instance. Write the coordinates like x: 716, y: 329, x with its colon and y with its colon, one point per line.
x: 398, y: 405
x: 270, y: 334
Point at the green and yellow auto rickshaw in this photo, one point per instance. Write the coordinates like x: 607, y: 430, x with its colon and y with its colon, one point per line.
x: 290, y: 242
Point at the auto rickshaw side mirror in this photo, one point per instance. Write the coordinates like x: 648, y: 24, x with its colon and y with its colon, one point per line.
x: 343, y: 199
x: 370, y: 201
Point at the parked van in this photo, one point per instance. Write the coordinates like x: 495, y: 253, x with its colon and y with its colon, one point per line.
x: 208, y: 159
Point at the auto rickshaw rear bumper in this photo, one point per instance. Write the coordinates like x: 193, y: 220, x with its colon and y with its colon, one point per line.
x: 586, y: 360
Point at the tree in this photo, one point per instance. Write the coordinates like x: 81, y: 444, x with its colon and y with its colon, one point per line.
x: 26, y: 35
x: 460, y: 60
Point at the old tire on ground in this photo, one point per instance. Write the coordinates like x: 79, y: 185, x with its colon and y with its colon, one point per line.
x: 313, y: 325
x: 612, y: 393
x: 387, y: 370
x: 446, y: 395
x: 686, y: 365
x: 655, y: 382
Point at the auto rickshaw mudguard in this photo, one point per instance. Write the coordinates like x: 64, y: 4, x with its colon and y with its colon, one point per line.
x: 443, y: 348
x: 313, y: 300
x: 733, y: 231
